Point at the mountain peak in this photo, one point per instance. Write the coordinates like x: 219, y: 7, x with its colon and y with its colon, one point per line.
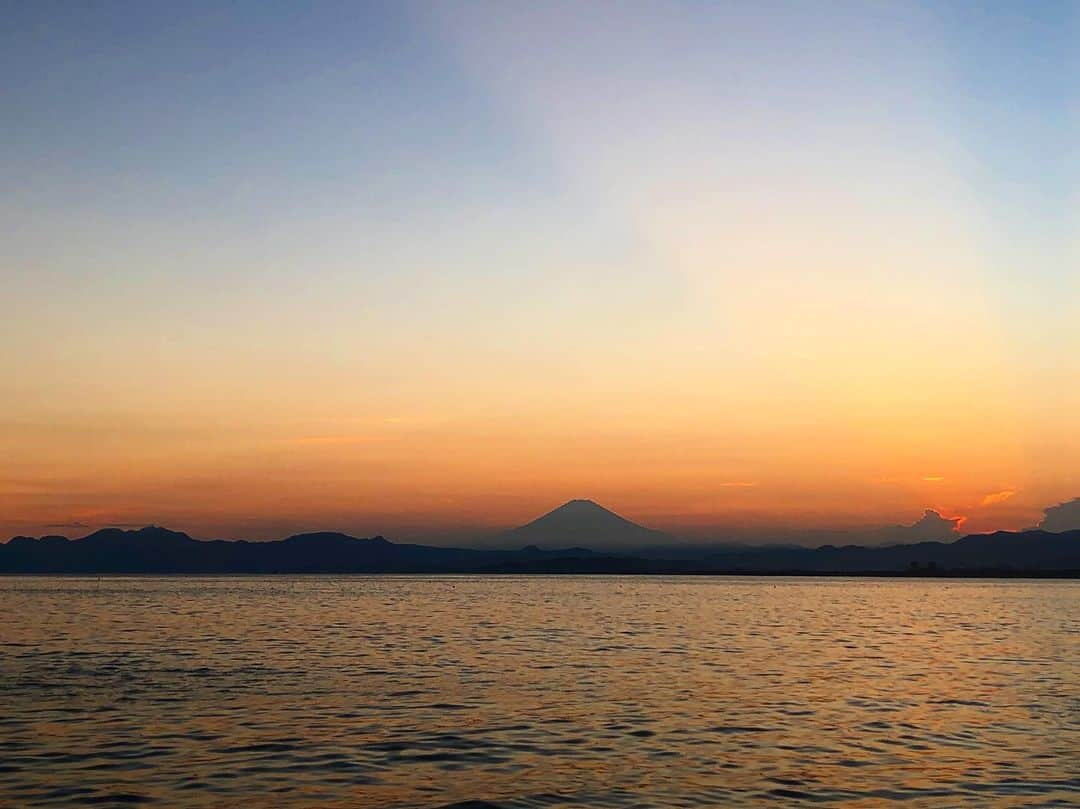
x: 335, y: 537
x: 580, y: 505
x: 147, y: 533
x: 583, y: 522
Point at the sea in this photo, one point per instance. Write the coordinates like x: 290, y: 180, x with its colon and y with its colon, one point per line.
x: 538, y: 691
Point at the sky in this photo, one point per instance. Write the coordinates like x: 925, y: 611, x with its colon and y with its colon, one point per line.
x: 429, y: 269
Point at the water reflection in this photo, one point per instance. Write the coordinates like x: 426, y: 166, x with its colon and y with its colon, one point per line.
x: 526, y: 692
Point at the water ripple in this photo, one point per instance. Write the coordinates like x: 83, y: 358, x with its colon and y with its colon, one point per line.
x: 528, y: 692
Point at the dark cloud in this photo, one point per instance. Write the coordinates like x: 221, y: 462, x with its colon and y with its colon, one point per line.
x: 931, y: 526
x: 1062, y: 517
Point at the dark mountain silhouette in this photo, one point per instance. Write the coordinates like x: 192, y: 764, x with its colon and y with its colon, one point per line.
x: 1001, y: 551
x: 159, y: 550
x: 582, y: 522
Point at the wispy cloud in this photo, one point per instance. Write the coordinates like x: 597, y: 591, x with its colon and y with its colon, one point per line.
x: 933, y: 478
x: 738, y: 484
x: 324, y: 440
x: 997, y: 497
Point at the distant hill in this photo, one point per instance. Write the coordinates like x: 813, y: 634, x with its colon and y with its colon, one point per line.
x: 159, y: 550
x: 1001, y: 551
x: 582, y: 523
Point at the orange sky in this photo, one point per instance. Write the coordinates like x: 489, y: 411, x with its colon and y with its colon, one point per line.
x: 700, y: 469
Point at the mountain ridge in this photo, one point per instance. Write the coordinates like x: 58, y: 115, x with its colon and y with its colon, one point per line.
x: 159, y: 550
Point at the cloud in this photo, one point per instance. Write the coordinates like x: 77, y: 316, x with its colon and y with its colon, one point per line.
x: 1062, y: 517
x: 933, y: 478
x: 997, y: 497
x: 738, y: 484
x: 932, y: 526
x: 331, y: 440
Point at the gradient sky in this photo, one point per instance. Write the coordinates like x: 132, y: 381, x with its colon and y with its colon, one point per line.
x: 425, y: 268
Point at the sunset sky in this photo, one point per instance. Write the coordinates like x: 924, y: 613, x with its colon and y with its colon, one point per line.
x: 430, y: 269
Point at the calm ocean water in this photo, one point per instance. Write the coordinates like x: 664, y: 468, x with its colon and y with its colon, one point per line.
x: 538, y: 692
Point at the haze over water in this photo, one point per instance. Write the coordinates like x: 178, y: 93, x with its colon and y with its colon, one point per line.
x: 538, y: 691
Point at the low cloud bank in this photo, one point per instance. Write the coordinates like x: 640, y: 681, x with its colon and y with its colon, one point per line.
x: 931, y: 526
x: 1062, y: 517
